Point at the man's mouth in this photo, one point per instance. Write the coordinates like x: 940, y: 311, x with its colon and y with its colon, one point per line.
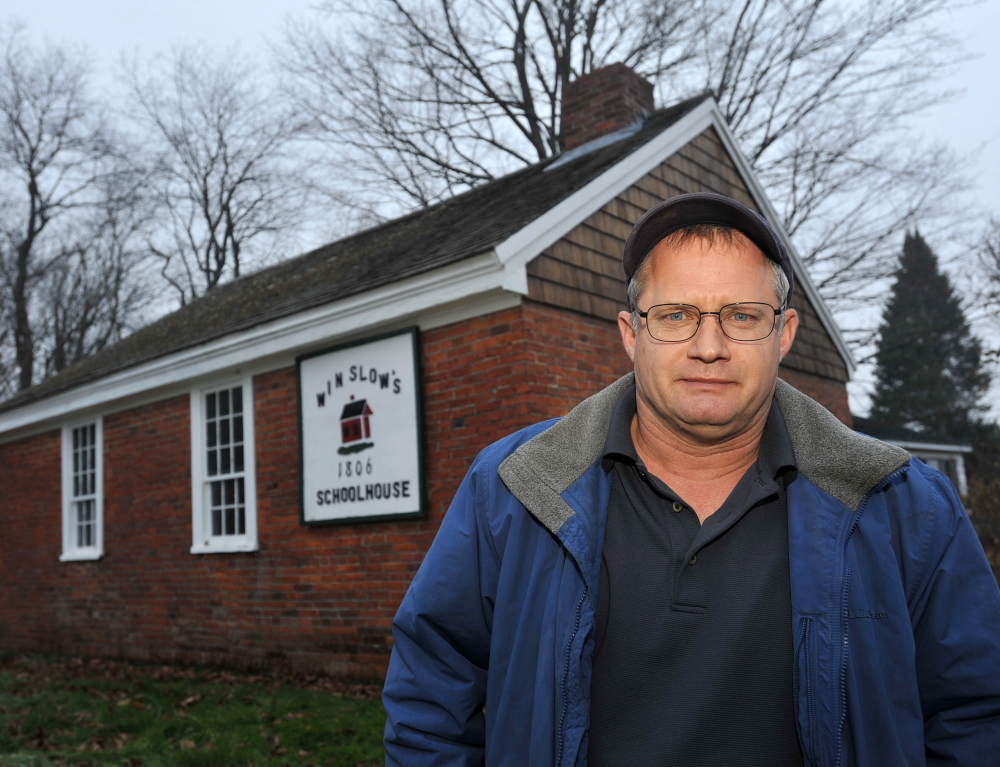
x: 707, y: 383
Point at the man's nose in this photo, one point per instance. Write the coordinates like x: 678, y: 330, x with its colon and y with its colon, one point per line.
x: 709, y: 343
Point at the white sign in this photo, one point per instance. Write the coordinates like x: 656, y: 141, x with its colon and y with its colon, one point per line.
x: 360, y: 431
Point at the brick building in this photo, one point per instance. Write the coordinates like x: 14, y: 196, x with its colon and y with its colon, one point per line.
x: 116, y: 540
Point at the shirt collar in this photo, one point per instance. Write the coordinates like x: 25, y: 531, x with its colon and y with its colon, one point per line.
x: 776, y: 455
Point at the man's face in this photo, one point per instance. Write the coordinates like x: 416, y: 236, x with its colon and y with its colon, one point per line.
x: 708, y: 387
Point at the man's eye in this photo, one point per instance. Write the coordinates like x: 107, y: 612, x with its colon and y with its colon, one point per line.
x: 741, y: 317
x: 675, y: 317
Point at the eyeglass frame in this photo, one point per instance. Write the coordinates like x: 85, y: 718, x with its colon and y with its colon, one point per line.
x: 777, y: 312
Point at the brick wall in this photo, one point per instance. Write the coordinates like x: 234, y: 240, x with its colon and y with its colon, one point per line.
x: 315, y: 598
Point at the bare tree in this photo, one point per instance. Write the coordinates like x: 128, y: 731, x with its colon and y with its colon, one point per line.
x: 223, y: 174
x: 96, y: 290
x: 423, y: 98
x: 57, y: 160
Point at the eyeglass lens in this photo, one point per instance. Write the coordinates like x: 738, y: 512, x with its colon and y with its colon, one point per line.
x: 741, y: 322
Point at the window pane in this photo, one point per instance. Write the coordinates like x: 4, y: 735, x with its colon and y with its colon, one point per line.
x: 225, y: 454
x: 76, y: 439
x: 93, y: 433
x: 85, y: 517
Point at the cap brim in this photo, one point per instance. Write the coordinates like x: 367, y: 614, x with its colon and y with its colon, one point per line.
x: 701, y: 208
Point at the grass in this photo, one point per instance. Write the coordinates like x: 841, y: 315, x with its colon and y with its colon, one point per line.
x: 88, y: 713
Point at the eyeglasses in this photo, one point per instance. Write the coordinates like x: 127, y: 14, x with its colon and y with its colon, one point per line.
x: 740, y: 322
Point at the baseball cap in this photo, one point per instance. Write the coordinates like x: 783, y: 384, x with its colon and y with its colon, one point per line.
x: 702, y: 208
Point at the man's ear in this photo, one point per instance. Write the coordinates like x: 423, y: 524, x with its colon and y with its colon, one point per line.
x: 788, y: 331
x: 627, y: 333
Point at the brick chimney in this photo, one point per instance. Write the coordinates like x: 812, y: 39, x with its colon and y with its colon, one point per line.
x: 603, y: 101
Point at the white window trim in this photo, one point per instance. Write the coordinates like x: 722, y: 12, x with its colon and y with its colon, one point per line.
x: 201, y: 541
x: 70, y: 551
x: 924, y: 454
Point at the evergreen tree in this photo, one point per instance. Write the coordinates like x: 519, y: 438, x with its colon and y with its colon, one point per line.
x: 928, y: 370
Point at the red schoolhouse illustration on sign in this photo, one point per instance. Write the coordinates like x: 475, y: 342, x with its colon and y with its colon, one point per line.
x: 355, y: 426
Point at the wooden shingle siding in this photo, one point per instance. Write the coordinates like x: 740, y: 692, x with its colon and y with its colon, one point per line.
x: 813, y: 351
x: 582, y: 271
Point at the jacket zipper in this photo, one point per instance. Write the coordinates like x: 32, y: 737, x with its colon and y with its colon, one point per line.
x: 843, y: 613
x: 843, y: 651
x: 565, y: 706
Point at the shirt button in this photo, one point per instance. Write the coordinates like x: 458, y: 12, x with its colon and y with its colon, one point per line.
x: 678, y: 506
x: 694, y: 559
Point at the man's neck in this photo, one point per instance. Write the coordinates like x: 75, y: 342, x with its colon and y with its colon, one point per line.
x: 703, y: 471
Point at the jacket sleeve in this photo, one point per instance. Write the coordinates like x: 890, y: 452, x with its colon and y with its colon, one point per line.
x: 956, y: 620
x: 435, y: 688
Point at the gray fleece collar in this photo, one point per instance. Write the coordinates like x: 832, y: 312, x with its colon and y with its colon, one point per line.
x: 836, y: 459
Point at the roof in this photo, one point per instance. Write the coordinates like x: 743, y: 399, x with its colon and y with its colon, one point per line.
x: 909, y: 438
x: 356, y: 409
x: 463, y: 226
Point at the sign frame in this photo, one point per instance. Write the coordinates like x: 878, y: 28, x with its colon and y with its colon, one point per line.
x: 421, y: 495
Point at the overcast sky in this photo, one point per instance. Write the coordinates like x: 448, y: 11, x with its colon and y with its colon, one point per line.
x: 970, y: 123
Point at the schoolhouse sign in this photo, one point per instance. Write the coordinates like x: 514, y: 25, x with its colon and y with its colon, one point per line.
x: 360, y: 431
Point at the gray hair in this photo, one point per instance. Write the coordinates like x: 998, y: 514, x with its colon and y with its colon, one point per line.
x: 707, y: 232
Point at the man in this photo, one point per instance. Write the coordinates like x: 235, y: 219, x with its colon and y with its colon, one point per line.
x: 699, y: 565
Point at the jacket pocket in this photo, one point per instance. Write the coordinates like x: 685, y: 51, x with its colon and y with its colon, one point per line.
x: 804, y: 692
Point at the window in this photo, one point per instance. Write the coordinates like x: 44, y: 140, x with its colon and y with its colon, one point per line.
x: 83, y: 490
x: 222, y: 468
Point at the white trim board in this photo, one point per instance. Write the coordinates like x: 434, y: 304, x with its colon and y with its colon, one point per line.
x: 929, y: 447
x: 469, y: 288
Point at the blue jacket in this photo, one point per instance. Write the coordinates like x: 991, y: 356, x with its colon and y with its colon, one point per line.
x: 895, y: 613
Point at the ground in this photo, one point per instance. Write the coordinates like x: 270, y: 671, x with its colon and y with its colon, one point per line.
x: 58, y: 711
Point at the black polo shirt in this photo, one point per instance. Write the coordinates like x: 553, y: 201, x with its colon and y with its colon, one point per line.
x: 693, y: 655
